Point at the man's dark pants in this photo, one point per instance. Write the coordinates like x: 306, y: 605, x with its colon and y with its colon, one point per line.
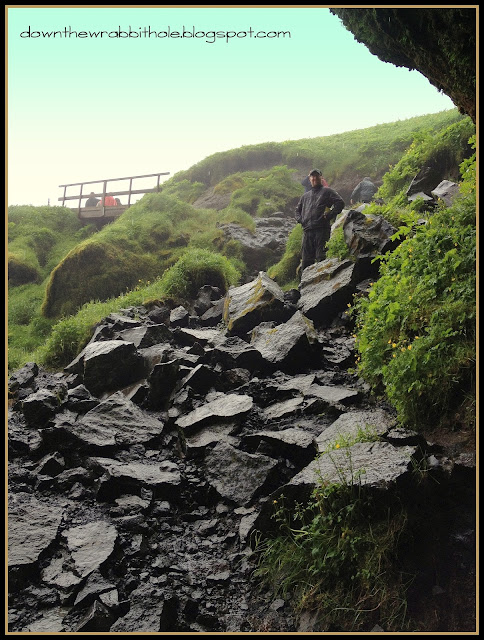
x: 314, y: 246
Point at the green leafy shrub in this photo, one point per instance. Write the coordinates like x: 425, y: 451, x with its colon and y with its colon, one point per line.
x: 416, y: 330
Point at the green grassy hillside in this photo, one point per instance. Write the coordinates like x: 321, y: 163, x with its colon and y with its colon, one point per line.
x: 65, y: 277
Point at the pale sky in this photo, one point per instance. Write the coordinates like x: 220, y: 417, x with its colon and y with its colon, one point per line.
x: 82, y: 107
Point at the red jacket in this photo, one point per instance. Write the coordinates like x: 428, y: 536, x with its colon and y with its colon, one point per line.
x: 109, y: 201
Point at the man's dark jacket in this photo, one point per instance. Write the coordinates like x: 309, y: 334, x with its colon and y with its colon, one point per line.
x: 311, y: 208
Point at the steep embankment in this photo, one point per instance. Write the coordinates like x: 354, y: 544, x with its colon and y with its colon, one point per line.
x: 260, y: 179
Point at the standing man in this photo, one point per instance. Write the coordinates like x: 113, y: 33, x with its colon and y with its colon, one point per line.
x: 315, y: 211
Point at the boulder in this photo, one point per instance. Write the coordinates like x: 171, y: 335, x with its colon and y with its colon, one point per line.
x: 90, y: 545
x: 146, y: 336
x: 179, y: 317
x: 286, y: 408
x: 23, y: 377
x: 121, y: 477
x: 291, y: 346
x: 214, y: 314
x: 150, y: 612
x: 235, y: 474
x: 38, y: 408
x: 374, y: 465
x: 197, y: 443
x: 425, y: 180
x: 201, y: 379
x: 114, y: 423
x: 327, y: 287
x: 205, y: 298
x: 266, y: 245
x: 33, y: 525
x: 235, y: 353
x: 367, y: 235
x: 446, y: 191
x: 225, y: 406
x: 252, y: 303
x: 161, y: 383
x: 108, y: 365
x: 296, y: 445
x: 349, y: 424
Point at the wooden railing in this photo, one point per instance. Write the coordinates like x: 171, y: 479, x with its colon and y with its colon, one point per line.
x: 81, y: 196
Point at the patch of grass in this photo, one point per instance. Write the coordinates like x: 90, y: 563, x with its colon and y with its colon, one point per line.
x: 336, y: 555
x: 284, y: 271
x: 336, y: 246
x: 194, y: 269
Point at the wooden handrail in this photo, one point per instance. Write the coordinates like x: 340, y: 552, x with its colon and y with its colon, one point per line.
x: 147, y: 175
x: 110, y: 193
x: 80, y: 196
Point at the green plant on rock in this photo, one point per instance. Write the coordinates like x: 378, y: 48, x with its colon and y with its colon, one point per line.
x: 336, y: 246
x: 196, y: 268
x: 285, y: 270
x: 416, y: 330
x: 335, y: 555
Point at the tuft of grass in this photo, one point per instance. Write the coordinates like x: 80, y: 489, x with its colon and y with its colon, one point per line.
x: 284, y: 271
x: 336, y: 555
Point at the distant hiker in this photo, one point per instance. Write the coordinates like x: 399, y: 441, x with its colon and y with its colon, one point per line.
x: 306, y: 183
x: 118, y: 201
x: 92, y: 200
x: 315, y: 210
x: 109, y: 201
x: 364, y: 191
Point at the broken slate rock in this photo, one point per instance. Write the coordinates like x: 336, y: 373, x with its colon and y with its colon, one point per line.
x: 150, y: 611
x: 332, y: 395
x: 367, y: 235
x: 115, y: 422
x: 446, y: 191
x: 108, y: 365
x: 231, y: 405
x: 252, y: 303
x: 23, y: 377
x: 90, y: 545
x: 32, y: 527
x: 294, y: 444
x: 179, y: 317
x: 235, y: 353
x: 198, y: 442
x: 375, y: 465
x: 237, y: 475
x: 349, y: 425
x: 327, y: 287
x: 282, y: 409
x: 147, y: 335
x: 38, y: 408
x: 132, y: 477
x: 288, y: 346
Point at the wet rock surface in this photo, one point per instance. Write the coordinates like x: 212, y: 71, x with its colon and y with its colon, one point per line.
x: 134, y: 496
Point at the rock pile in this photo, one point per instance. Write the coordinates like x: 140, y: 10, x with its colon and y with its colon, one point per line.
x: 138, y: 475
